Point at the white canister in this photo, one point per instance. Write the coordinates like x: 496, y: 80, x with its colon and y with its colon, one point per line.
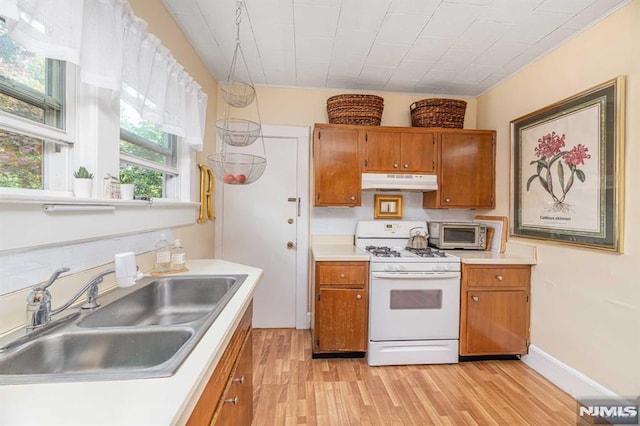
x: 126, y: 269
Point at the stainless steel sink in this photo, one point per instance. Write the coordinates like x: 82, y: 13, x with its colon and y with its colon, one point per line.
x: 92, y: 353
x: 165, y: 301
x: 141, y: 332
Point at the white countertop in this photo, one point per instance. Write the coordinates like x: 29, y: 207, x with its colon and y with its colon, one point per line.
x: 515, y: 254
x: 168, y: 400
x: 338, y: 253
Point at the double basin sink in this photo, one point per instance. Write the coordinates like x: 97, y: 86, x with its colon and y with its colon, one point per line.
x: 140, y: 332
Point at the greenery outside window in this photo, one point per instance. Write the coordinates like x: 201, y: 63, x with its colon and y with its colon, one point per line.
x: 32, y: 94
x: 148, y: 156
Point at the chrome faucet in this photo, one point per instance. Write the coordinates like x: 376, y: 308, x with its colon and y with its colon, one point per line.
x: 39, y: 310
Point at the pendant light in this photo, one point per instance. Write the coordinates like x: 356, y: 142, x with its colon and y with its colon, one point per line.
x: 236, y: 167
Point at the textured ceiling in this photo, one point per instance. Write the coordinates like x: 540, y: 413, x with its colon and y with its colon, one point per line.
x: 452, y: 47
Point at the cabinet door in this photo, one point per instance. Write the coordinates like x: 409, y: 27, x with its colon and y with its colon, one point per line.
x: 382, y: 151
x: 237, y: 403
x: 496, y: 323
x: 337, y: 173
x: 418, y: 153
x: 467, y: 170
x: 341, y: 320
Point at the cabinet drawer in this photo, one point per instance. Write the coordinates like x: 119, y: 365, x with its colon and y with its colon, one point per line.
x: 342, y: 273
x: 497, y: 276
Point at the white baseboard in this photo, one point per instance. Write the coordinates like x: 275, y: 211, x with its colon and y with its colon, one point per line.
x: 565, y: 377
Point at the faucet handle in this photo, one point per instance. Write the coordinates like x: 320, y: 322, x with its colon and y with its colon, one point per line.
x: 52, y: 278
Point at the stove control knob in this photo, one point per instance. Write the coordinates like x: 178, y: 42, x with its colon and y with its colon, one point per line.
x: 399, y: 268
x: 440, y: 267
x: 390, y: 268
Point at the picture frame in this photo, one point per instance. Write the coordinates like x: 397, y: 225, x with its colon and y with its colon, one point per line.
x: 567, y: 171
x: 387, y: 206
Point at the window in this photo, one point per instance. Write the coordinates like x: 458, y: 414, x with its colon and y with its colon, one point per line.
x: 33, y: 152
x: 148, y: 156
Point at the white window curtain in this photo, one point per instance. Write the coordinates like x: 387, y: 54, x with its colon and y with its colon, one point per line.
x: 114, y: 50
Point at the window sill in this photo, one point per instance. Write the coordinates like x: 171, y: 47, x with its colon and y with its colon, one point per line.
x: 27, y: 222
x: 71, y: 200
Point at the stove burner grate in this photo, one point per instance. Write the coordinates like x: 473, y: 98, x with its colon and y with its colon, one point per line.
x: 426, y: 252
x: 382, y: 251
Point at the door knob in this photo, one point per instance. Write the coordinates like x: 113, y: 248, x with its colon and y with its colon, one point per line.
x: 290, y: 221
x: 289, y: 244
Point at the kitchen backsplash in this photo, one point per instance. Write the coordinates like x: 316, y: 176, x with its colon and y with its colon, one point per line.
x: 342, y: 220
x: 26, y: 268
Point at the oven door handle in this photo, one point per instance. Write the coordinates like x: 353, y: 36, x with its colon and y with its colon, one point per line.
x: 415, y: 275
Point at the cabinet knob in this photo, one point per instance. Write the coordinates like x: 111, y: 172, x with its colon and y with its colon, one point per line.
x: 474, y: 298
x: 233, y: 400
x: 406, y: 166
x: 238, y: 379
x: 343, y: 275
x: 289, y: 244
x: 447, y: 200
x: 358, y: 296
x: 499, y: 277
x: 353, y: 198
x: 395, y: 165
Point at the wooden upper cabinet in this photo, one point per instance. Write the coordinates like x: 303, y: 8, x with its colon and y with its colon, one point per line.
x: 381, y: 151
x: 336, y: 165
x: 398, y: 151
x: 466, y: 171
x: 418, y: 152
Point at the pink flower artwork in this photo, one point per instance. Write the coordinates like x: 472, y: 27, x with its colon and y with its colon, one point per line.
x: 549, y: 151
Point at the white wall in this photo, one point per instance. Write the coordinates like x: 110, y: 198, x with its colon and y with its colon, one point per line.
x: 342, y: 220
x: 585, y: 303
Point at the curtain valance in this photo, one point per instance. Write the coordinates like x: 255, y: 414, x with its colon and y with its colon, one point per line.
x: 114, y: 50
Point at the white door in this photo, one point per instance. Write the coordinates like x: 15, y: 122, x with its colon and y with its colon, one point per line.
x: 265, y: 225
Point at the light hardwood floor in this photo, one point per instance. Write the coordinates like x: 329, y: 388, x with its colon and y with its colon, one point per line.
x: 290, y: 388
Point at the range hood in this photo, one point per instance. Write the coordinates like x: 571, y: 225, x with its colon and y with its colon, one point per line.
x: 399, y: 182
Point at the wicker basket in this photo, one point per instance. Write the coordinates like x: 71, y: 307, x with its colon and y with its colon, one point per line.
x: 355, y: 109
x: 437, y: 112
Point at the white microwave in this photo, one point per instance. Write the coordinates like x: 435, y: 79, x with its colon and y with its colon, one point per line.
x: 458, y: 235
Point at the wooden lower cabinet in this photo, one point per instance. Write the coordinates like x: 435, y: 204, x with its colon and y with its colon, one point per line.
x: 237, y: 402
x: 341, y: 307
x: 494, y: 309
x: 228, y: 397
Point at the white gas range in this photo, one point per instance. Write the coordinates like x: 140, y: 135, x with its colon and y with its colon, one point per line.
x: 414, y: 302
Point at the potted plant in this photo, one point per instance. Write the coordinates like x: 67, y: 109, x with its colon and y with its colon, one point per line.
x: 82, y: 183
x: 126, y: 185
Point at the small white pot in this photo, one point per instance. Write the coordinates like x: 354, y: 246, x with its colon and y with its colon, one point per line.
x: 82, y: 188
x: 126, y: 191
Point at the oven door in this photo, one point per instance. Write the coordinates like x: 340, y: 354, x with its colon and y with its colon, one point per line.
x: 414, y: 306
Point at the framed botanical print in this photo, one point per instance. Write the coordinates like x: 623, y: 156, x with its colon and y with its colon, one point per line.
x: 568, y: 170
